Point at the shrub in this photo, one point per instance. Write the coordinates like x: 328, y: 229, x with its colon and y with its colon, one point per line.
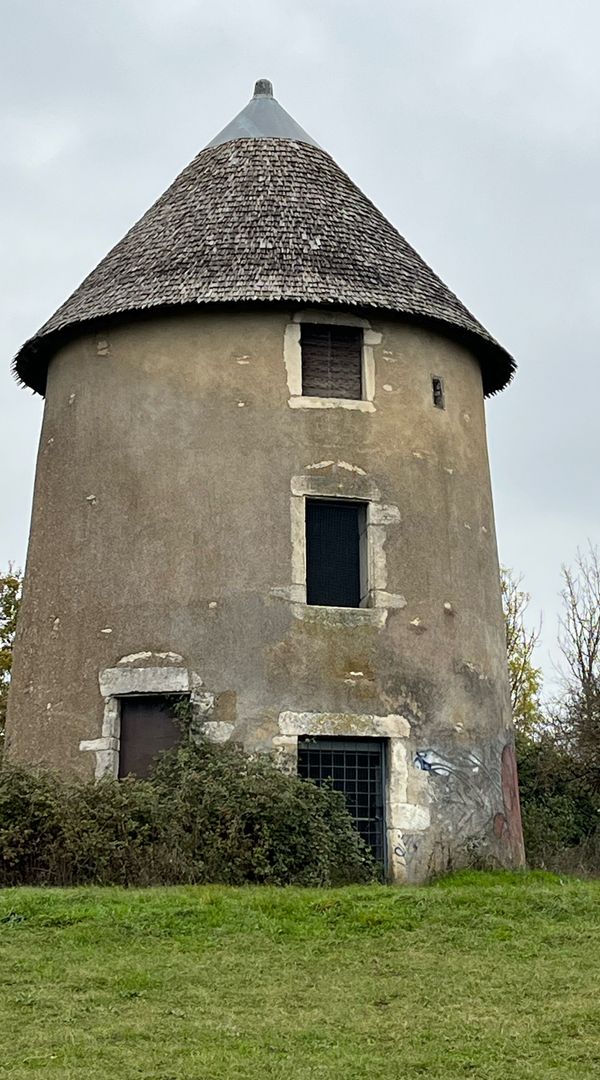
x: 207, y: 814
x: 560, y: 803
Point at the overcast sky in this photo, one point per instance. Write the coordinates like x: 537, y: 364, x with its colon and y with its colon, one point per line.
x: 473, y: 124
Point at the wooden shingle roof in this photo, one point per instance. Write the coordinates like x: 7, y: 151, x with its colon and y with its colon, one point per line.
x: 263, y: 220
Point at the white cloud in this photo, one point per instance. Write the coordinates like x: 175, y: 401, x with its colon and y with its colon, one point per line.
x: 33, y: 141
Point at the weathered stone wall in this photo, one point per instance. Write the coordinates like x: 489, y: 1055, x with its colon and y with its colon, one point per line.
x: 167, y: 537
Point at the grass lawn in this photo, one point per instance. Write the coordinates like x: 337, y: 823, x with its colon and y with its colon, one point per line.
x: 483, y: 975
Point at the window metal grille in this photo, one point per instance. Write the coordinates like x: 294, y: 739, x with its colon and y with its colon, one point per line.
x: 336, y: 557
x: 147, y: 728
x: 356, y: 768
x: 331, y: 361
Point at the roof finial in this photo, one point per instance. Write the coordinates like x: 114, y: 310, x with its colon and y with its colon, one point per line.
x: 263, y: 88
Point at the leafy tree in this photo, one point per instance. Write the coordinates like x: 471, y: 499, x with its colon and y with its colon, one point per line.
x: 10, y: 598
x: 560, y: 805
x: 525, y: 678
x: 559, y: 756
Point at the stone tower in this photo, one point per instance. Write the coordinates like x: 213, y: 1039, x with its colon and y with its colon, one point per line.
x: 263, y: 483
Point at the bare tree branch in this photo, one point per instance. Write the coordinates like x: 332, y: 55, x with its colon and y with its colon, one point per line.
x: 579, y: 641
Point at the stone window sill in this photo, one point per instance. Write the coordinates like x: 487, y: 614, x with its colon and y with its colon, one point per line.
x: 331, y: 403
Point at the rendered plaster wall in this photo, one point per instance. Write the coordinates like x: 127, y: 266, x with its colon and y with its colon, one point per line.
x: 173, y: 464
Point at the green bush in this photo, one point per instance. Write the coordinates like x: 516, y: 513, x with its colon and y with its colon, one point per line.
x: 560, y: 804
x: 207, y: 814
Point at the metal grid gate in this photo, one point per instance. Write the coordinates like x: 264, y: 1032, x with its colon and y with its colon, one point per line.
x: 356, y: 768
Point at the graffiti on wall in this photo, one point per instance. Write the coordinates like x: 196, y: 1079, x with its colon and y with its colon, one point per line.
x: 430, y: 761
x: 405, y: 848
x: 472, y: 791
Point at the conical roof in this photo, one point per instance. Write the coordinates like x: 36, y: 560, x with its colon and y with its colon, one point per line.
x: 263, y: 216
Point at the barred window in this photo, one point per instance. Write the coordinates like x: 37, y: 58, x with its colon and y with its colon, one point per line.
x: 356, y: 767
x: 336, y: 552
x: 331, y: 361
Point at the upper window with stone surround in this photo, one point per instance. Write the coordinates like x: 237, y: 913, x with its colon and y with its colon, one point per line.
x: 331, y: 361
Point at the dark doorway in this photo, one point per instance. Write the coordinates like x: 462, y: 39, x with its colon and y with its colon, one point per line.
x: 356, y: 768
x: 336, y: 537
x: 147, y: 727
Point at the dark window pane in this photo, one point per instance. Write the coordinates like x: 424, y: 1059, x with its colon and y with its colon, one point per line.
x: 333, y: 565
x: 437, y: 387
x: 147, y: 727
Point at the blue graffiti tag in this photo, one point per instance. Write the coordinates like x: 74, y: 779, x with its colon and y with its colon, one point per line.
x: 430, y: 762
x: 422, y: 763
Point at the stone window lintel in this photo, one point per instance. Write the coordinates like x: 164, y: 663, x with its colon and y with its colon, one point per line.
x: 133, y: 675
